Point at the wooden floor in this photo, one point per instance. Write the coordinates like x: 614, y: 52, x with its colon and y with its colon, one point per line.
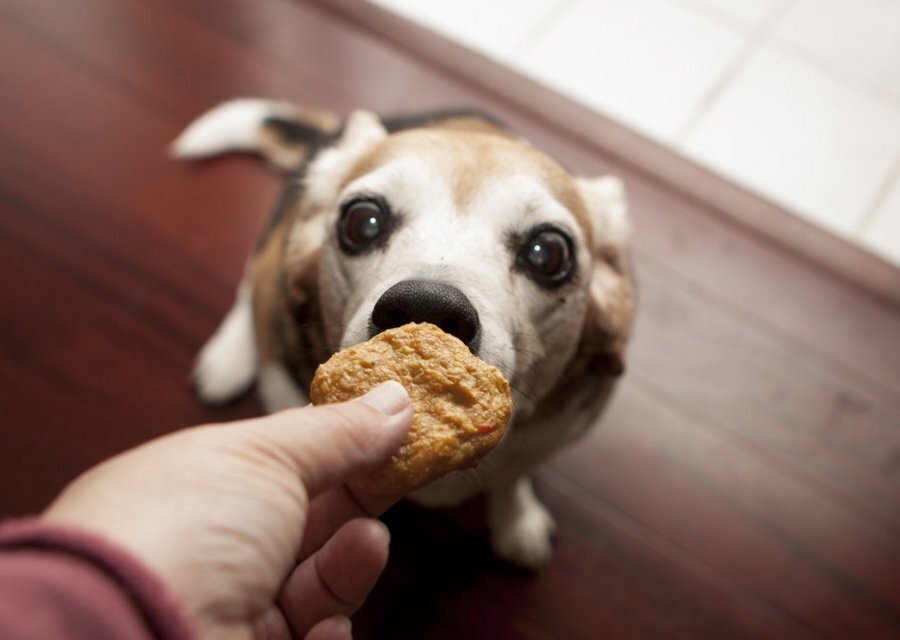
x: 745, y: 483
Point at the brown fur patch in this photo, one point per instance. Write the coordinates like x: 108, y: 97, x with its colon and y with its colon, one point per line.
x: 474, y: 153
x: 286, y: 311
x: 608, y: 323
x: 268, y: 294
x: 288, y: 151
x: 470, y: 123
x: 278, y: 151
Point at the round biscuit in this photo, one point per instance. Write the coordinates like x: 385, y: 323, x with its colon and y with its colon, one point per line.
x: 461, y: 404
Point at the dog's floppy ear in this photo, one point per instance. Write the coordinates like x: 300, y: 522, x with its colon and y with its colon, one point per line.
x: 332, y: 167
x: 611, y: 296
x: 362, y: 129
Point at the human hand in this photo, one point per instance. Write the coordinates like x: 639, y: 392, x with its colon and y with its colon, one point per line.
x: 252, y: 524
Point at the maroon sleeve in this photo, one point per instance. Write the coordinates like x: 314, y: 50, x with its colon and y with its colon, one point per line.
x: 64, y: 584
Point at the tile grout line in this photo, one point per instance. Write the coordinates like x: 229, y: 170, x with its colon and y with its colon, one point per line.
x: 877, y: 89
x: 874, y: 90
x: 550, y: 18
x: 756, y: 38
x: 715, y: 14
x: 884, y: 88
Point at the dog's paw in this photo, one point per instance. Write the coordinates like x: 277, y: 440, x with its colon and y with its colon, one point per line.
x: 522, y: 530
x: 215, y: 379
x: 527, y: 541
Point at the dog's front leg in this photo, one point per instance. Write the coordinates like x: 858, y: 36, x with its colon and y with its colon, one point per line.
x: 226, y: 366
x: 521, y: 528
x: 277, y: 390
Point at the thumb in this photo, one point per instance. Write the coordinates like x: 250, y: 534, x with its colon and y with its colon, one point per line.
x: 327, y: 444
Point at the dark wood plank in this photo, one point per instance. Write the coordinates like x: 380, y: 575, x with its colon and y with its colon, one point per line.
x: 124, y: 140
x: 599, y: 586
x: 774, y: 538
x: 111, y: 298
x: 745, y: 483
x: 813, y: 418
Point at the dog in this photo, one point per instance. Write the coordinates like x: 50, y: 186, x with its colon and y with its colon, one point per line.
x: 443, y: 217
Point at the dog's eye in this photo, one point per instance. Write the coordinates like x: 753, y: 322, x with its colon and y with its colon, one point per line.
x: 362, y: 224
x: 546, y: 256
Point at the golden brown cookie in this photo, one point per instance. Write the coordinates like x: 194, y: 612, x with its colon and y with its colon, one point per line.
x: 461, y: 404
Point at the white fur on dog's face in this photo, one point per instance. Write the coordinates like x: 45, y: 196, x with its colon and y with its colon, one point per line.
x: 463, y: 203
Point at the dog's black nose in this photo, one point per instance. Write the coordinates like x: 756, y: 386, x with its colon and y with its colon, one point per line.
x: 427, y: 301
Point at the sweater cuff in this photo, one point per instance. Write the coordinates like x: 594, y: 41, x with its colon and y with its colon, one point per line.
x: 159, y: 610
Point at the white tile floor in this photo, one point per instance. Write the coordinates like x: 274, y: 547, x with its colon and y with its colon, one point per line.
x: 798, y: 100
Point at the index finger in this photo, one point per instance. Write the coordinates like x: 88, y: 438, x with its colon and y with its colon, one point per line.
x: 330, y: 510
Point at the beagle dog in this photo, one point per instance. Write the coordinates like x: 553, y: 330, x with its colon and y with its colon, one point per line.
x: 445, y: 218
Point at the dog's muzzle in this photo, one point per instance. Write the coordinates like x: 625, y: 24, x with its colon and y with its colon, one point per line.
x: 427, y: 301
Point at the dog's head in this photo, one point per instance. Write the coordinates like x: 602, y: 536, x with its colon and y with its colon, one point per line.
x: 459, y: 224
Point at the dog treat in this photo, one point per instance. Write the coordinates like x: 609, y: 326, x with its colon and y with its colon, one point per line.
x: 461, y: 404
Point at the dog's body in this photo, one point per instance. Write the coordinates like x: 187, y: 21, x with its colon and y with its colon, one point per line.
x: 444, y: 218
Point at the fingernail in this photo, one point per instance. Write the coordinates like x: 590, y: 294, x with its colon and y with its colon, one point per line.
x: 386, y: 530
x: 389, y: 397
x: 344, y: 620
